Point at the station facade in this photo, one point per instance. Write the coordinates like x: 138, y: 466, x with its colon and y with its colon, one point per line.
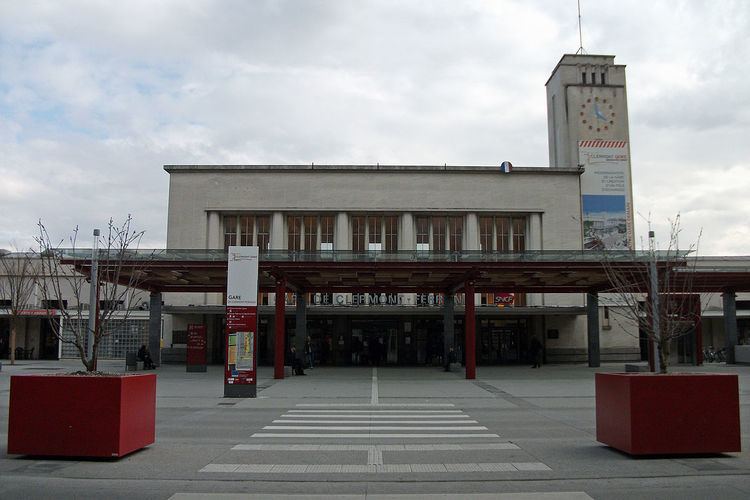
x: 574, y: 204
x: 581, y: 203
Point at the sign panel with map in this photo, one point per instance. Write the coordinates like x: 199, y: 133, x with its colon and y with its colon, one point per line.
x: 242, y: 319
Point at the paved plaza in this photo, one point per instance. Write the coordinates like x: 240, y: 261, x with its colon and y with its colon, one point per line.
x: 514, y: 432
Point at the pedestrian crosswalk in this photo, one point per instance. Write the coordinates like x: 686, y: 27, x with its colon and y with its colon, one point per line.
x: 398, y: 431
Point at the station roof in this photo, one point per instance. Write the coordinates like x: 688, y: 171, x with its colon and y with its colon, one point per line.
x: 373, y: 169
x: 418, y: 272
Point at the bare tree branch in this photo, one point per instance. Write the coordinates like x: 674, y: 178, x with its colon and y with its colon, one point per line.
x: 633, y: 288
x: 67, y: 273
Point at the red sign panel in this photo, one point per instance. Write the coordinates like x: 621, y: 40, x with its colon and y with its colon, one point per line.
x: 196, y: 345
x: 240, y: 319
x: 504, y: 299
x: 242, y: 344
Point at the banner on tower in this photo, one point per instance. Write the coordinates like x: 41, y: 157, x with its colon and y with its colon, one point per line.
x: 605, y: 191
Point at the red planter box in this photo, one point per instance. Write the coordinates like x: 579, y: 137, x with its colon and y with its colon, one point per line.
x: 81, y: 416
x: 652, y: 414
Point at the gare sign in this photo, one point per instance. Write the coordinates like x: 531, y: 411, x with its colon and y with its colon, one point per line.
x: 240, y: 367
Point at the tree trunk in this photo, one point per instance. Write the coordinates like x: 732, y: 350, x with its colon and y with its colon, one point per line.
x: 13, y: 341
x: 663, y: 356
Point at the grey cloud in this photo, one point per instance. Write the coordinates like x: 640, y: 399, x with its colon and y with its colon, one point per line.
x: 94, y: 98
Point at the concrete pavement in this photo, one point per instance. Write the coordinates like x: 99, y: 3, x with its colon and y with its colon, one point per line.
x: 374, y: 433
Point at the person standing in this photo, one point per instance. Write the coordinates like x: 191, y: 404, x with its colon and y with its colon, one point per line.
x: 450, y: 358
x: 294, y: 361
x: 309, y: 352
x: 535, y: 349
x: 145, y: 355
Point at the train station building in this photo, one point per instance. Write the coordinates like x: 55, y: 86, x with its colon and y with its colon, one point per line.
x: 408, y: 260
x: 350, y: 243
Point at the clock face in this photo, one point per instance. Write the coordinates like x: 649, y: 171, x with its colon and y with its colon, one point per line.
x: 597, y: 114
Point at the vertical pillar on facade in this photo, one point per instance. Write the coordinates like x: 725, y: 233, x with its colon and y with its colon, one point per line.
x: 472, y: 232
x: 341, y: 239
x: 213, y: 231
x: 730, y: 323
x: 535, y: 232
x: 214, y: 241
x: 470, y: 343
x: 534, y: 242
x: 278, y: 349
x: 695, y: 305
x: 277, y: 231
x: 592, y: 314
x: 406, y: 234
x: 154, y: 327
x: 300, y: 329
x: 448, y: 325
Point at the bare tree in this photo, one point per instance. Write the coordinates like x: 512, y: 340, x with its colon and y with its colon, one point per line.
x: 17, y: 283
x: 67, y: 273
x: 654, y: 290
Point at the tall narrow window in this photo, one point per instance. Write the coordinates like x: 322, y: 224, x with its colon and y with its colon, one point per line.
x: 423, y: 233
x: 503, y: 234
x: 593, y: 78
x: 230, y: 231
x: 456, y: 227
x: 358, y: 233
x: 246, y: 230
x: 264, y: 232
x: 375, y: 236
x: 310, y: 228
x: 294, y: 232
x: 485, y: 234
x: 391, y: 233
x: 519, y: 234
x: 583, y: 78
x: 604, y: 81
x: 438, y: 234
x: 326, y: 232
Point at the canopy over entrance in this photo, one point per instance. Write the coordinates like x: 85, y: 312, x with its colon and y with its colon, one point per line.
x: 161, y: 271
x: 414, y: 271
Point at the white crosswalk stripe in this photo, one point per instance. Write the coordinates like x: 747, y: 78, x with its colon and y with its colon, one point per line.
x: 293, y: 430
x: 378, y: 428
x: 367, y: 424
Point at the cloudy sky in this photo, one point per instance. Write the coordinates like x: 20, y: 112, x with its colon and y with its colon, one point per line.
x: 95, y: 97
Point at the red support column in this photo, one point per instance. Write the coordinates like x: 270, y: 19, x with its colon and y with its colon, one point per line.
x: 470, y: 343
x: 279, y: 333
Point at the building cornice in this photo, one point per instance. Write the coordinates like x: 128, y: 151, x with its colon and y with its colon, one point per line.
x: 434, y: 169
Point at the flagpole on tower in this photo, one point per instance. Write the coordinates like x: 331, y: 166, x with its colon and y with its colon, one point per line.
x: 580, y: 32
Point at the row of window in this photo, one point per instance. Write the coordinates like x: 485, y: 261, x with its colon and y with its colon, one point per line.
x: 378, y: 232
x: 602, y: 81
x: 502, y: 234
x: 247, y: 230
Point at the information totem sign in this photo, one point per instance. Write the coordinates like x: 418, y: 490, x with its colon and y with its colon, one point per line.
x: 240, y: 367
x: 196, y: 348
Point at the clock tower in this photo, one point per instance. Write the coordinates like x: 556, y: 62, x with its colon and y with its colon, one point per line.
x: 587, y: 120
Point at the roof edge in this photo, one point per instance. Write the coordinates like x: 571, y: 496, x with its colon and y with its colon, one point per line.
x: 484, y: 169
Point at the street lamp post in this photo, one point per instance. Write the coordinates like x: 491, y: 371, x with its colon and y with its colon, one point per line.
x: 93, y: 296
x: 655, y: 319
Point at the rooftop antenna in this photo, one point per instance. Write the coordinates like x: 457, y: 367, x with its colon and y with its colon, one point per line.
x: 580, y: 33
